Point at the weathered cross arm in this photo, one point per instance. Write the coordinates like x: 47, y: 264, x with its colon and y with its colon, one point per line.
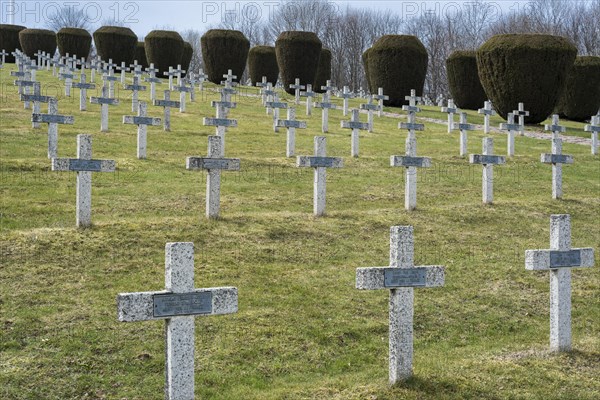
x: 285, y: 123
x: 555, y: 128
x: 167, y: 103
x: 34, y: 97
x: 486, y: 159
x: 354, y: 125
x: 227, y: 164
x: 537, y: 260
x: 414, y: 109
x: 148, y: 306
x: 406, y: 161
x: 556, y: 158
x: 510, y: 127
x: 226, y: 104
x: 319, y: 162
x: 134, y: 120
x: 219, y: 122
x: 411, y: 126
x: 587, y: 128
x: 53, y: 119
x: 104, y: 100
x: 75, y: 164
x: 375, y: 278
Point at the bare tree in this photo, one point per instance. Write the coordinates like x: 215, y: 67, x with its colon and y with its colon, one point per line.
x: 193, y: 37
x: 68, y: 17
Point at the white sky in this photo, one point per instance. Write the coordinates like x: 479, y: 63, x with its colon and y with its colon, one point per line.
x: 144, y: 15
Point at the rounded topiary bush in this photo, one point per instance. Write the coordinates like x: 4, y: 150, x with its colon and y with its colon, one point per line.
x: 323, y: 71
x: 397, y: 63
x: 74, y: 41
x: 298, y: 57
x: 224, y: 50
x: 365, y: 61
x: 463, y: 80
x: 186, y: 57
x: 34, y: 40
x: 262, y: 61
x: 581, y: 96
x: 140, y: 55
x: 116, y: 43
x: 164, y: 49
x: 528, y: 68
x: 9, y: 40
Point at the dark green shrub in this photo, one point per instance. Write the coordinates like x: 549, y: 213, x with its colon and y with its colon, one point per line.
x: 224, y: 50
x: 528, y: 68
x: 397, y: 63
x: 365, y: 61
x: 262, y: 61
x: 186, y: 57
x: 9, y: 39
x: 298, y: 57
x: 323, y: 71
x: 34, y: 40
x: 140, y: 55
x: 581, y: 96
x: 463, y: 80
x: 116, y: 43
x: 74, y: 41
x: 164, y: 49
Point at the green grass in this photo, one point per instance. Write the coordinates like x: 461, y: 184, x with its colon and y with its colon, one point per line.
x: 302, y: 330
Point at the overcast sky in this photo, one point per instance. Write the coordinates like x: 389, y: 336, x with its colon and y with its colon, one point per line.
x: 144, y: 15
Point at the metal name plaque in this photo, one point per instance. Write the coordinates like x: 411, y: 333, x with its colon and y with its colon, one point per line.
x: 411, y: 126
x: 223, y: 163
x: 418, y: 162
x: 177, y: 304
x: 487, y: 160
x: 166, y: 103
x: 510, y: 127
x: 411, y: 109
x: 559, y: 159
x: 466, y: 127
x: 85, y: 165
x: 325, y: 162
x: 561, y: 259
x: 220, y: 122
x: 355, y: 125
x: 370, y: 107
x: 405, y: 277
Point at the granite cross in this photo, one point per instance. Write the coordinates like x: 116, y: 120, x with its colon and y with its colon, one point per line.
x: 267, y: 93
x: 153, y: 80
x: 297, y: 88
x: 594, y: 128
x: 68, y: 76
x: 487, y: 160
x: 171, y: 73
x: 555, y: 127
x: 95, y: 66
x: 308, y: 94
x: 559, y: 260
x: 36, y: 98
x: 202, y: 77
x: 355, y: 125
x: 142, y: 121
x: 262, y: 84
x: 511, y: 127
x: 24, y: 84
x: 556, y: 159
x: 346, y: 95
x: 52, y: 119
x: 3, y: 54
x: 192, y: 80
x: 135, y: 89
x: 463, y: 126
x: 400, y: 278
x: 84, y: 165
x: 83, y: 88
x: 178, y: 305
x: 183, y: 89
x: 320, y: 162
x: 521, y: 113
x: 291, y: 124
x: 380, y: 97
x: 487, y: 112
x: 450, y: 110
x: 123, y: 68
x: 276, y: 105
x: 111, y: 79
x: 328, y: 88
x: 167, y: 103
x: 104, y: 100
x: 179, y: 72
x: 325, y: 105
x: 370, y: 107
x: 229, y: 77
x: 220, y: 122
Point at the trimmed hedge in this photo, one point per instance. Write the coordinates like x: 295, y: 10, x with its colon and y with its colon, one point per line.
x: 34, y: 40
x: 262, y: 61
x: 9, y: 39
x: 164, y: 49
x: 74, y: 41
x: 365, y: 61
x: 323, y: 71
x: 463, y: 80
x: 186, y: 57
x: 581, y: 97
x: 397, y: 63
x: 528, y: 68
x: 140, y: 55
x: 116, y: 43
x: 298, y: 56
x: 224, y: 50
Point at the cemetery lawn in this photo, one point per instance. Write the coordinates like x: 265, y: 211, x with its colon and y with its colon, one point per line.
x: 302, y: 331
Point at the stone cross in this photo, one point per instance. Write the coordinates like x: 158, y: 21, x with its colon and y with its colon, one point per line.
x: 135, y: 89
x: 83, y: 88
x: 291, y: 124
x: 487, y: 160
x: 400, y: 278
x: 84, y: 165
x: 153, y: 80
x: 214, y: 162
x: 68, y: 76
x: 142, y: 121
x: 463, y: 126
x: 136, y: 68
x: 328, y: 87
x: 192, y: 80
x: 325, y: 105
x: 267, y: 93
x: 24, y: 85
x: 320, y: 162
x: 111, y: 79
x: 555, y: 127
x: 380, y: 97
x: 167, y: 103
x: 220, y: 122
x: 123, y: 68
x: 370, y: 107
x: 346, y: 95
x: 183, y: 89
x: 261, y: 85
x: 104, y: 100
x: 556, y: 159
x: 559, y: 260
x: 355, y: 125
x: 308, y: 94
x: 171, y: 73
x: 487, y: 112
x: 178, y: 305
x: 521, y: 113
x: 20, y: 73
x: 95, y: 65
x: 410, y: 161
x: 276, y: 105
x: 53, y: 119
x: 511, y: 127
x: 297, y: 88
x: 202, y: 77
x: 3, y: 54
x: 594, y: 128
x: 39, y: 54
x: 229, y: 77
x: 36, y: 98
x: 450, y: 110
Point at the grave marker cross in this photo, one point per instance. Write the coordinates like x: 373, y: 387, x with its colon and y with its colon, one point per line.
x: 297, y: 88
x: 104, y: 100
x: 291, y: 124
x: 487, y: 112
x: 450, y: 110
x: 594, y: 128
x: 487, y: 160
x: 52, y: 119
x: 167, y: 103
x: 511, y: 127
x: 463, y: 126
x: 355, y: 125
x: 380, y: 97
x: 83, y: 88
x: 370, y: 107
x: 325, y: 105
x: 275, y: 105
x: 135, y: 89
x: 142, y: 121
x: 521, y: 113
x: 308, y: 94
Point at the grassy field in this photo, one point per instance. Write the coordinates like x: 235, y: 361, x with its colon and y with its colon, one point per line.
x: 302, y: 331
